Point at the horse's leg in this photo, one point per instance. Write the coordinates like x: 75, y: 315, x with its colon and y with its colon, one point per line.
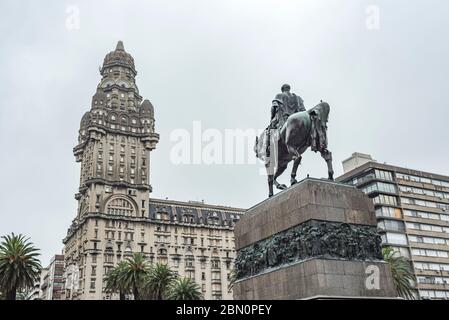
x: 270, y: 185
x: 296, y: 163
x: 327, y: 155
x: 280, y: 169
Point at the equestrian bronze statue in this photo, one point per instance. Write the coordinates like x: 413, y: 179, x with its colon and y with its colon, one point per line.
x: 292, y: 130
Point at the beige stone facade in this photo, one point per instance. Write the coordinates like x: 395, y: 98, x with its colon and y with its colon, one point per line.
x: 116, y: 216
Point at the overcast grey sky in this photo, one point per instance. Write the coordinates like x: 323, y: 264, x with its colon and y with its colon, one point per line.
x: 220, y: 62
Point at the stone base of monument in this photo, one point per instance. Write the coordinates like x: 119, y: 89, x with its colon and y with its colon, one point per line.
x: 317, y: 239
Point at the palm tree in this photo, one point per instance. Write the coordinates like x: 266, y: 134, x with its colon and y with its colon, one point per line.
x: 401, y: 270
x: 232, y: 277
x: 184, y: 289
x: 133, y: 272
x: 115, y: 282
x: 159, y: 279
x: 19, y: 266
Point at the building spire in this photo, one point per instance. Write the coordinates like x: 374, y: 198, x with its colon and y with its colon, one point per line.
x: 120, y: 46
x: 118, y: 57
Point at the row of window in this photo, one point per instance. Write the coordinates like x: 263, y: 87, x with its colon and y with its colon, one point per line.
x: 431, y: 240
x: 431, y: 266
x: 426, y: 215
x: 122, y: 148
x: 426, y: 227
x: 134, y: 130
x: 122, y: 158
x: 433, y: 280
x: 434, y: 294
x: 422, y: 180
x: 376, y: 174
x: 430, y: 253
x: 191, y: 219
x: 425, y: 192
x: 424, y: 203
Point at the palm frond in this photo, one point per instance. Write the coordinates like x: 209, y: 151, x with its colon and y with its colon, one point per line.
x: 402, y: 273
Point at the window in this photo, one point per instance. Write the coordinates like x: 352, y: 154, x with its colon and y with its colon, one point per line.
x: 389, y: 212
x: 395, y: 238
x: 215, y: 263
x: 92, y: 284
x: 430, y: 253
x: 379, y: 187
x: 391, y: 225
x: 120, y: 206
x: 384, y: 199
x: 384, y: 175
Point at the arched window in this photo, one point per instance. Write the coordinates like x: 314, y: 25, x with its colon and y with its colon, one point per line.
x: 121, y: 207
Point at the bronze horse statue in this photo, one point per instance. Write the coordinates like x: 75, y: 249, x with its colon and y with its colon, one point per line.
x: 300, y: 131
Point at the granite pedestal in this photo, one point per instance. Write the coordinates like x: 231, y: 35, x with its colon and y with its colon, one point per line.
x: 317, y: 239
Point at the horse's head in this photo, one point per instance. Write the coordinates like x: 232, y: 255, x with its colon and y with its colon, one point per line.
x: 321, y: 111
x: 320, y: 116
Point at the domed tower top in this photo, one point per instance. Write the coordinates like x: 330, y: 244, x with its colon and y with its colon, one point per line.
x: 119, y: 57
x: 147, y: 109
x: 99, y: 99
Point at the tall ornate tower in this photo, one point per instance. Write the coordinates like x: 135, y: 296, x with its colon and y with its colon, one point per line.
x: 114, y: 141
x: 114, y: 144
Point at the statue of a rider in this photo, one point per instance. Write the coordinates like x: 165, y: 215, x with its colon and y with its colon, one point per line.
x: 283, y: 105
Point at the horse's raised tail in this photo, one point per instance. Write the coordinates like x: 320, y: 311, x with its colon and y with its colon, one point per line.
x: 260, y: 146
x: 255, y: 147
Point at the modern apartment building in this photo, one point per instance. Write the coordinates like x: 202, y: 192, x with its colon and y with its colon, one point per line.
x: 412, y: 209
